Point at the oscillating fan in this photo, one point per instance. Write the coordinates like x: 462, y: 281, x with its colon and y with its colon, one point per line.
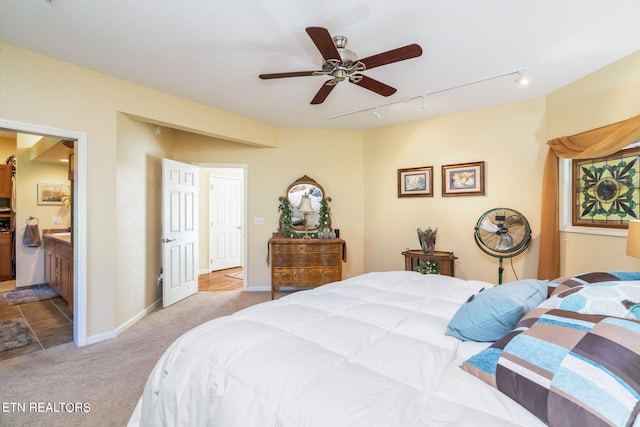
x: 502, y: 233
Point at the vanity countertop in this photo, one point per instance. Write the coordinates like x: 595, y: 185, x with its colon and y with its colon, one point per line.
x: 63, y: 236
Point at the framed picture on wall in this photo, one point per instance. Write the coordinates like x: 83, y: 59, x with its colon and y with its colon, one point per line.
x: 415, y: 182
x: 51, y: 194
x: 463, y: 179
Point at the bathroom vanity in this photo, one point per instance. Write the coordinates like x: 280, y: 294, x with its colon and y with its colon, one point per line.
x: 58, y: 263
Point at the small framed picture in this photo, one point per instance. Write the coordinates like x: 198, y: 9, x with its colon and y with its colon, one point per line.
x: 415, y: 182
x: 51, y: 194
x: 463, y: 179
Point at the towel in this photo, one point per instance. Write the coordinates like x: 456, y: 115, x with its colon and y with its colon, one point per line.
x: 31, y: 236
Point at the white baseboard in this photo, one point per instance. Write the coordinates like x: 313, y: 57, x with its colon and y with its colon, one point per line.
x: 257, y: 288
x: 268, y: 288
x: 93, y: 339
x: 138, y: 316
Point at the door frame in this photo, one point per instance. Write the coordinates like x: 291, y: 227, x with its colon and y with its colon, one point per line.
x: 245, y: 231
x: 79, y: 219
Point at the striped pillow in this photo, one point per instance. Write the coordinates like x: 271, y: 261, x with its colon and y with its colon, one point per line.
x: 567, y: 368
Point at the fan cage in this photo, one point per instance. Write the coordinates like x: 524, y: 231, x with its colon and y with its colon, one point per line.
x: 505, y: 214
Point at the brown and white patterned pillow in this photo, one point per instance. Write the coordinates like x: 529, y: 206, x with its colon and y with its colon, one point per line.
x: 616, y: 298
x: 567, y: 368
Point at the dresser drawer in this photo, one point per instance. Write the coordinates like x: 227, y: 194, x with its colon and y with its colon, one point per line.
x: 306, y: 276
x: 307, y: 248
x: 296, y: 259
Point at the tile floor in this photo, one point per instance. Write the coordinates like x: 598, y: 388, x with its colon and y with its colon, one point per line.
x: 50, y: 320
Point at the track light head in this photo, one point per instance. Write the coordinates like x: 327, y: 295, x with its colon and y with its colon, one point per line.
x: 521, y: 78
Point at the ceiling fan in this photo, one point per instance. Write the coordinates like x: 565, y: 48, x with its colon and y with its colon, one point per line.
x: 341, y: 64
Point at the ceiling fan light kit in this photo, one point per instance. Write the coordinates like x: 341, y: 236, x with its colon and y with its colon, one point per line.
x: 343, y: 64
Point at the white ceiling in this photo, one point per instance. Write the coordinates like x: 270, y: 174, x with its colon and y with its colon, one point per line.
x: 212, y: 51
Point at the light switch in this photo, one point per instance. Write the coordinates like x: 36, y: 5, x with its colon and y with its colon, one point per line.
x: 258, y: 220
x: 57, y: 220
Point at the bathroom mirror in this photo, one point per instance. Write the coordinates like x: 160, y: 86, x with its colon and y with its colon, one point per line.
x: 299, y: 216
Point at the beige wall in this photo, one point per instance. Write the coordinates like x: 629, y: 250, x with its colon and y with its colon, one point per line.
x: 357, y: 169
x: 7, y: 148
x: 508, y: 138
x: 138, y: 228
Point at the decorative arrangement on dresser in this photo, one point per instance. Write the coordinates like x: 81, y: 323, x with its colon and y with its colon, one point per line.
x: 305, y: 252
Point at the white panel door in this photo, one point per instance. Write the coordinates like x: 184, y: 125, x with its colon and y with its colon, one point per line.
x: 226, y: 222
x: 179, y: 231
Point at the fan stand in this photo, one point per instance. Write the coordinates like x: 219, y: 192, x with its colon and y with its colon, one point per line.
x: 500, y: 269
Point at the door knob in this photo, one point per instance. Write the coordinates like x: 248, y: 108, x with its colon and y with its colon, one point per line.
x: 167, y: 240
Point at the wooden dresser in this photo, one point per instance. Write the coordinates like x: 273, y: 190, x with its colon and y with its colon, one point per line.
x: 305, y: 262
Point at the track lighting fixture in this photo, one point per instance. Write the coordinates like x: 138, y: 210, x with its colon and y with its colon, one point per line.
x: 521, y: 78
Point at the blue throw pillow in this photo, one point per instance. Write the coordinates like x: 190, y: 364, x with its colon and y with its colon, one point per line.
x: 493, y: 312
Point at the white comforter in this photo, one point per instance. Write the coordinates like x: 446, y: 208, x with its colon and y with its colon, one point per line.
x: 366, y: 351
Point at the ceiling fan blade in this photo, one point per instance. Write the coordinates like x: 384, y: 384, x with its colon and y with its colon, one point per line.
x: 282, y: 75
x: 374, y: 85
x: 323, y: 41
x: 322, y: 94
x: 391, y: 56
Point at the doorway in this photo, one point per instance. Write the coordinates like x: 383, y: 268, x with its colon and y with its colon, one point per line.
x: 78, y: 222
x: 226, y: 227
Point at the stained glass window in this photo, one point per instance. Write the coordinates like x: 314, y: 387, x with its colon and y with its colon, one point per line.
x: 606, y: 191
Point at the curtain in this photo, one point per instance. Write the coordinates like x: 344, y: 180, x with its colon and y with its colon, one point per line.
x: 598, y: 142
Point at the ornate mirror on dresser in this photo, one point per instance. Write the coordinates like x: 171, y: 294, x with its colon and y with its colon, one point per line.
x: 305, y: 252
x: 304, y: 211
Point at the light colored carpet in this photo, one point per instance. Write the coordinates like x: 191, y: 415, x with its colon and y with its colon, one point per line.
x: 108, y: 376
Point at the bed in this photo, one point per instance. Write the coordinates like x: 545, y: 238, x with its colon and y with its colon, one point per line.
x: 381, y: 349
